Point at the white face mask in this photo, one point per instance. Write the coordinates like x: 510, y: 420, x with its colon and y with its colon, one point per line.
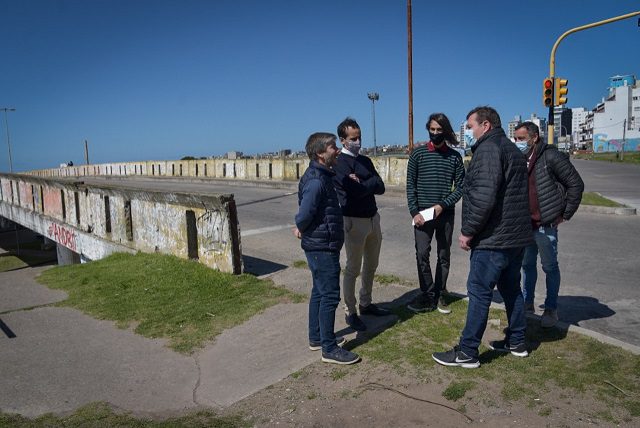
x: 469, y: 139
x: 354, y: 146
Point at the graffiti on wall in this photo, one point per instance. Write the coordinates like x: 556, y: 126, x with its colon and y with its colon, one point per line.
x: 602, y: 144
x: 63, y: 235
x: 212, y: 227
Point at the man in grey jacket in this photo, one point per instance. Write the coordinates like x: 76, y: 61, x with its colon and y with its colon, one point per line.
x: 496, y: 228
x: 555, y: 192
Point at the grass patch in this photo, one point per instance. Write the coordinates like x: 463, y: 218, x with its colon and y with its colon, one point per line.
x: 558, y: 361
x: 338, y: 374
x: 629, y: 157
x: 592, y: 198
x: 300, y: 264
x: 385, y: 279
x: 10, y: 260
x: 101, y: 415
x: 167, y: 297
x: 546, y: 411
x: 457, y: 390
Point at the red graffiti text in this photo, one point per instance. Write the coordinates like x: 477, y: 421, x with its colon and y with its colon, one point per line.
x: 63, y: 236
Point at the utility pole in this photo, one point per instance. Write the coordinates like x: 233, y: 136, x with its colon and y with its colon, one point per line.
x: 6, y: 124
x: 624, y: 137
x: 410, y: 59
x: 86, y: 152
x: 374, y: 96
x: 552, y: 59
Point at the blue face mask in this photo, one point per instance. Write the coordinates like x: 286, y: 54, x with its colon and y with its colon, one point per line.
x: 523, y: 146
x: 469, y: 139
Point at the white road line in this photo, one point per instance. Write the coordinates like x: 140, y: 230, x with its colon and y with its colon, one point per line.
x: 266, y: 229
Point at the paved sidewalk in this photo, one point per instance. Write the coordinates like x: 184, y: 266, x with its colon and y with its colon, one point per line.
x: 61, y: 359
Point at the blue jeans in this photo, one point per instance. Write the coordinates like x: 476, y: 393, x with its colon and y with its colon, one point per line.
x: 546, y: 242
x: 488, y: 269
x: 325, y: 296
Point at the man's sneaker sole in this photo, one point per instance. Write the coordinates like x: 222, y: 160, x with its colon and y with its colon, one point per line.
x: 444, y: 310
x: 521, y: 354
x: 340, y: 342
x: 344, y: 363
x: 465, y: 365
x: 419, y: 310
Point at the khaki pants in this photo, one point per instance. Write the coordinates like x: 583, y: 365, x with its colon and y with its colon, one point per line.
x: 362, y: 242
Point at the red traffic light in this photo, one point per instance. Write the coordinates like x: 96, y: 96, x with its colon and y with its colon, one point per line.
x: 547, y: 92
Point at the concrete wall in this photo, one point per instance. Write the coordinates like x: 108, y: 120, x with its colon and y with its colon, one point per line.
x: 95, y: 221
x: 393, y: 170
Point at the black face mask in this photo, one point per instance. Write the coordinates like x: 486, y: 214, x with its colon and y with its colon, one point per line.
x: 436, y: 139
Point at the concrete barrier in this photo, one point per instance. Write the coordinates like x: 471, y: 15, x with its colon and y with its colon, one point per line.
x: 393, y: 170
x: 95, y: 221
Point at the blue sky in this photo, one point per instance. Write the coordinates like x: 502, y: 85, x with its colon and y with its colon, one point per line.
x: 158, y: 79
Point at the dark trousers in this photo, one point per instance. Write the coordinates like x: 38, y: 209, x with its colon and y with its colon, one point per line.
x: 490, y: 268
x: 442, y: 226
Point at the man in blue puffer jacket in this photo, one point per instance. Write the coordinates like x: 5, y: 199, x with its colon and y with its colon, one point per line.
x: 320, y: 227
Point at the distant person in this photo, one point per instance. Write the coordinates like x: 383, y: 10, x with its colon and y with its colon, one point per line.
x: 555, y: 192
x: 357, y: 182
x: 435, y: 175
x: 496, y: 227
x: 319, y: 226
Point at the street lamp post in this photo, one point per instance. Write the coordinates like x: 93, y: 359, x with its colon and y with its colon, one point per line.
x: 374, y: 96
x: 6, y: 125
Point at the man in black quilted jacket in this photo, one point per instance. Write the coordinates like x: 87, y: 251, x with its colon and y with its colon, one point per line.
x: 555, y: 192
x: 496, y: 227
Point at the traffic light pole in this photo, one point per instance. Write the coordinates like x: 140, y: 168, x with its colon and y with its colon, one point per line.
x: 552, y: 60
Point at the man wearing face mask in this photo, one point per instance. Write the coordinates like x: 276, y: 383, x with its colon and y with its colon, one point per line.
x: 435, y: 174
x: 357, y: 182
x: 555, y: 192
x: 496, y: 227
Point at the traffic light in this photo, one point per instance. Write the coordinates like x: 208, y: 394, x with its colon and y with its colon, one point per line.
x: 547, y: 92
x: 560, y: 91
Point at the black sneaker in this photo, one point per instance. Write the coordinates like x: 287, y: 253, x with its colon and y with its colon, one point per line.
x: 504, y: 346
x: 316, y: 346
x: 455, y: 357
x: 421, y: 304
x: 355, y: 322
x: 374, y: 310
x: 340, y: 356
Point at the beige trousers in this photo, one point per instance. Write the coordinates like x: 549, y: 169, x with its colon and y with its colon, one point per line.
x: 362, y: 241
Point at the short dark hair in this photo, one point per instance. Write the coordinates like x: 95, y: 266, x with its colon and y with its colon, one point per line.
x: 442, y: 120
x: 532, y: 129
x: 318, y: 143
x: 348, y: 122
x: 487, y: 113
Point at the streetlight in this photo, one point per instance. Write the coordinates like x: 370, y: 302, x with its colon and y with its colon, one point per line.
x: 374, y: 96
x: 6, y: 124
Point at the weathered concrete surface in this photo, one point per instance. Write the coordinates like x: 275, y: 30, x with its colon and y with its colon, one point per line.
x: 95, y: 221
x: 62, y: 359
x: 19, y: 289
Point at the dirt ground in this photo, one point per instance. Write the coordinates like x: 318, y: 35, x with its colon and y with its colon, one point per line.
x: 368, y: 394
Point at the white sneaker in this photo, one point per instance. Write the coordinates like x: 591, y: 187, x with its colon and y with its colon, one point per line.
x: 549, y: 318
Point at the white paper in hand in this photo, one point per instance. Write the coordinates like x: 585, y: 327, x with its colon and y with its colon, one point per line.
x: 427, y: 214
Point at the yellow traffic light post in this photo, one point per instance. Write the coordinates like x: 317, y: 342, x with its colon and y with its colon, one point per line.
x: 561, y: 84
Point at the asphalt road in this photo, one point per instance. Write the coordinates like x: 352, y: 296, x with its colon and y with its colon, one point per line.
x: 599, y: 256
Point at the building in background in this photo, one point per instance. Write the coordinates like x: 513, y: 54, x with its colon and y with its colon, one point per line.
x: 517, y: 120
x: 616, y: 120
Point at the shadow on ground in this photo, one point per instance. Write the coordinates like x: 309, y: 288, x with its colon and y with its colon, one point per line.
x: 259, y: 267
